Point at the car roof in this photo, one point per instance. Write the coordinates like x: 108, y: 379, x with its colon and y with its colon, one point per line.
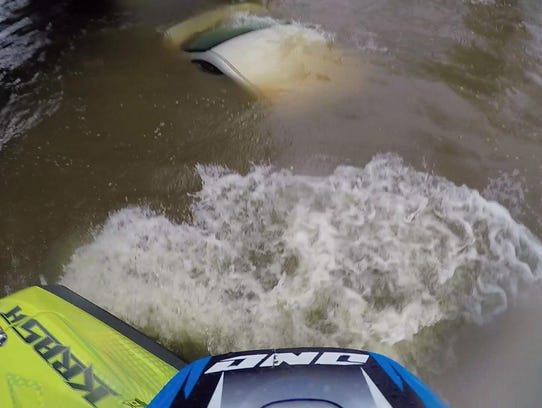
x: 213, y: 37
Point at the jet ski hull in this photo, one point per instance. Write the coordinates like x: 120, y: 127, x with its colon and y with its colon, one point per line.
x: 62, y: 350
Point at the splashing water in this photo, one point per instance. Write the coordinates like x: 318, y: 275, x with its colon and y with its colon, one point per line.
x: 243, y: 19
x: 365, y: 257
x: 312, y: 32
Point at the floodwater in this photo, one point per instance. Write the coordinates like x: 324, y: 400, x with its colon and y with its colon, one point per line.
x: 403, y: 216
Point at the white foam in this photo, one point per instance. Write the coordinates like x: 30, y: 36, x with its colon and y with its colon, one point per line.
x: 366, y: 257
x: 242, y: 19
x: 509, y: 190
x: 311, y: 32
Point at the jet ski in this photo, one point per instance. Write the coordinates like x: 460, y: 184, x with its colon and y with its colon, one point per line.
x: 59, y: 350
x: 296, y: 378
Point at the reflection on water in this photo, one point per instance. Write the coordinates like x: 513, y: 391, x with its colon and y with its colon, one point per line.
x: 497, y: 64
x: 33, y: 35
x: 490, y: 58
x: 498, y: 365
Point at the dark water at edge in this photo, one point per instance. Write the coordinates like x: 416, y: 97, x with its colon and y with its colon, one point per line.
x: 33, y: 36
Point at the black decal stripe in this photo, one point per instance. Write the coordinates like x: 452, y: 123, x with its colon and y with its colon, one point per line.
x: 38, y: 342
x: 16, y: 326
x: 123, y: 328
x: 12, y: 326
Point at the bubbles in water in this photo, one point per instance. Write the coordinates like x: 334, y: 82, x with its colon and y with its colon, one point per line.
x: 365, y: 257
x: 509, y: 190
x: 243, y: 19
x: 367, y: 41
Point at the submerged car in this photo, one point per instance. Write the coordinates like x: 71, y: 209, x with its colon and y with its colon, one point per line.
x: 266, y: 56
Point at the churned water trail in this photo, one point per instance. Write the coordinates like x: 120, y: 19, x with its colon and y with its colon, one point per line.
x: 370, y: 257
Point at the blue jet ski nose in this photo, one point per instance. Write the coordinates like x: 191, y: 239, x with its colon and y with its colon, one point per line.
x: 296, y: 378
x: 305, y: 403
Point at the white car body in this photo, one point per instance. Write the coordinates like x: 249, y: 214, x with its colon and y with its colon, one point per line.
x: 269, y: 58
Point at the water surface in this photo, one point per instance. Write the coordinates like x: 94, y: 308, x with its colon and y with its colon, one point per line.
x: 394, y: 218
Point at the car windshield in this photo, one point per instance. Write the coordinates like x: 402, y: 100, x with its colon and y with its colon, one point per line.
x: 206, y: 40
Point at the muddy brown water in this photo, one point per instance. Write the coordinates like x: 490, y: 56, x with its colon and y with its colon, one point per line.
x: 96, y: 115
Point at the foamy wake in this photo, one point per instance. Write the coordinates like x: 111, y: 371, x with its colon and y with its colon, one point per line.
x: 366, y: 257
x: 311, y: 32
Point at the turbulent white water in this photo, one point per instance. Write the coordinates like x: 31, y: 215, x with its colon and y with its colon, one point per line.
x: 365, y: 257
x: 312, y: 32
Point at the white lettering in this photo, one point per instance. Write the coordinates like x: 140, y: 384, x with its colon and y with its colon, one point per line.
x: 331, y: 358
x: 237, y: 363
x: 277, y: 359
x: 292, y: 359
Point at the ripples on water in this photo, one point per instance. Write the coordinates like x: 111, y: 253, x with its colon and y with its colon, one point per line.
x: 33, y: 35
x: 22, y: 42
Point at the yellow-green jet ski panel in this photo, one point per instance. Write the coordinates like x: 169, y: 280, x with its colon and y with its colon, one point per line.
x: 58, y: 354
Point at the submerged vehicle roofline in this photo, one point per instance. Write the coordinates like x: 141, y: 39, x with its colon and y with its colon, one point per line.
x: 224, y: 66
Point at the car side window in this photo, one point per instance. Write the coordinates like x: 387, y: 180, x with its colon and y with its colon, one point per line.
x: 207, y: 67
